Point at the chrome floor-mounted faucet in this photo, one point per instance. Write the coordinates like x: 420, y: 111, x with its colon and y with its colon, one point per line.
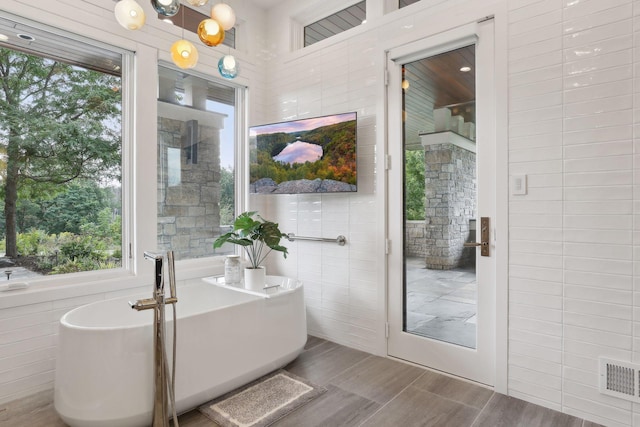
x: 157, y: 303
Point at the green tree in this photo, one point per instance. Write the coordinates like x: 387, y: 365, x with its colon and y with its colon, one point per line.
x: 414, y: 185
x: 227, y: 196
x: 58, y: 123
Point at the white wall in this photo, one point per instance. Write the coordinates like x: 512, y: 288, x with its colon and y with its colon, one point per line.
x: 574, y: 263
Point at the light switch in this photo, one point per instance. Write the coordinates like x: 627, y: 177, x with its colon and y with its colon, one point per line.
x: 518, y: 185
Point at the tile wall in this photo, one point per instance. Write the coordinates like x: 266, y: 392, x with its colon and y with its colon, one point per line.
x: 573, y: 273
x: 574, y: 259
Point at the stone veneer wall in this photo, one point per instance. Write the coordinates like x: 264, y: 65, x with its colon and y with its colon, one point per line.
x: 415, y: 239
x: 450, y: 187
x: 188, y: 213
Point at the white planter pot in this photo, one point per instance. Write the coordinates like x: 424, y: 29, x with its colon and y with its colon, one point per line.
x: 254, y: 278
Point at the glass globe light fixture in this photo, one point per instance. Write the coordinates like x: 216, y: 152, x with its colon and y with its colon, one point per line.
x: 225, y: 16
x: 184, y: 54
x: 129, y: 14
x: 228, y: 67
x: 166, y: 7
x: 210, y: 32
x: 197, y: 2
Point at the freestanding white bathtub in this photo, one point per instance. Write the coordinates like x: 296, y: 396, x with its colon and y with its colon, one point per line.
x: 226, y: 338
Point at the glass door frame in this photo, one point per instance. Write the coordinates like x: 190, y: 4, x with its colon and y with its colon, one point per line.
x: 491, y: 368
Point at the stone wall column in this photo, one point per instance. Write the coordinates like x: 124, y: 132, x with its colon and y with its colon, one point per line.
x: 450, y: 187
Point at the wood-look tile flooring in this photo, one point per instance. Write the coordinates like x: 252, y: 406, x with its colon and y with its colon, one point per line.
x: 362, y: 390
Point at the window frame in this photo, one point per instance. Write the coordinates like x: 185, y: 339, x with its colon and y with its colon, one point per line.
x: 127, y: 76
x: 200, y: 267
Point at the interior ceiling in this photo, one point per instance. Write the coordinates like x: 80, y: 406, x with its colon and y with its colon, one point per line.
x: 437, y: 82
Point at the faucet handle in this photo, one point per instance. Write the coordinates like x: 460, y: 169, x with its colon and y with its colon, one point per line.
x: 172, y: 274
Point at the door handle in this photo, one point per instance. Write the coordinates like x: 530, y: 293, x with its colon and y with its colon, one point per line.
x: 484, y: 237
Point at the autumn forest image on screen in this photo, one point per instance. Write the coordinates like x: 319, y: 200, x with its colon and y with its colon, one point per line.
x: 309, y: 155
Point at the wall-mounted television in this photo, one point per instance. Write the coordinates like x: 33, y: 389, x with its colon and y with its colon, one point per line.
x: 314, y: 155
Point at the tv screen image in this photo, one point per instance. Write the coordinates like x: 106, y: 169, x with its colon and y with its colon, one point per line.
x: 314, y: 155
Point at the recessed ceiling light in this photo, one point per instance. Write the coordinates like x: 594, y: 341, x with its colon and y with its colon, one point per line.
x: 4, y: 37
x: 465, y: 69
x: 27, y: 37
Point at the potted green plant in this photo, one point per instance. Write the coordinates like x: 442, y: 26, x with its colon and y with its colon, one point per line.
x: 258, y: 237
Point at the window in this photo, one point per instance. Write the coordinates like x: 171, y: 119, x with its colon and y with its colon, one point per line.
x: 404, y: 3
x: 334, y: 24
x: 60, y: 150
x: 196, y: 163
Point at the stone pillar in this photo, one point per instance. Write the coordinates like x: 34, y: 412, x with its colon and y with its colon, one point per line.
x: 188, y: 206
x: 450, y: 186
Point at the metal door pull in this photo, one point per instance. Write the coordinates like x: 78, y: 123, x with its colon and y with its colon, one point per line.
x: 484, y: 237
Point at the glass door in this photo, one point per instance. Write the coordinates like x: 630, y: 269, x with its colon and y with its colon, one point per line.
x: 441, y: 282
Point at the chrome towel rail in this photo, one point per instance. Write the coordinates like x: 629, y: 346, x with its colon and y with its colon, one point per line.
x: 340, y: 240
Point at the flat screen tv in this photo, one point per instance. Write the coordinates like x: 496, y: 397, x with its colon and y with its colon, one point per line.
x: 314, y: 155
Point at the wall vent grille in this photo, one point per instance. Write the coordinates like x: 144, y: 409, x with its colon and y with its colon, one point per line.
x: 620, y: 379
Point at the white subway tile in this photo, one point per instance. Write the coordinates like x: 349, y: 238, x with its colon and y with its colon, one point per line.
x: 535, y: 23
x: 538, y: 395
x: 533, y: 247
x: 602, y: 163
x: 535, y: 313
x: 610, y: 339
x: 535, y: 234
x: 590, y: 250
x: 593, y: 35
x: 595, y: 408
x: 541, y: 288
x: 608, y: 119
x: 596, y: 308
x: 599, y: 77
x: 598, y: 135
x: 521, y: 323
x: 599, y: 279
x: 535, y: 377
x: 619, y: 192
x: 593, y: 351
x: 623, y: 207
x: 606, y: 324
x: 608, y: 266
x: 585, y: 15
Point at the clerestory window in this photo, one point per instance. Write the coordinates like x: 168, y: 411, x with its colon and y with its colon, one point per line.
x: 405, y: 3
x: 336, y: 23
x: 61, y: 177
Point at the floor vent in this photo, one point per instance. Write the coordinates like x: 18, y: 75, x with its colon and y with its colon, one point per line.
x: 620, y: 379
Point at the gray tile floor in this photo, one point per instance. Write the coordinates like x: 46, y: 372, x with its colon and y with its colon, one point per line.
x: 441, y: 304
x: 362, y: 390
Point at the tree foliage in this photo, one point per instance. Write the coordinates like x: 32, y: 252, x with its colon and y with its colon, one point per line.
x: 58, y: 123
x: 414, y: 182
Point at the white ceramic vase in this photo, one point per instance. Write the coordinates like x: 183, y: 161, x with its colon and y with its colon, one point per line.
x: 254, y: 278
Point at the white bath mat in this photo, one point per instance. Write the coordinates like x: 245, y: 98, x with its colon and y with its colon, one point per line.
x: 261, y: 402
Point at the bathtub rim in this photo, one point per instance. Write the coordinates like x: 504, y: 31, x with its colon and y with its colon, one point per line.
x: 204, y: 281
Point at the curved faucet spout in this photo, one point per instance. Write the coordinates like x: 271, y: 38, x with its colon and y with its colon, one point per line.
x: 157, y: 259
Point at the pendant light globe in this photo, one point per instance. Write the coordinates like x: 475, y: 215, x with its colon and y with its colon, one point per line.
x: 184, y: 54
x: 228, y: 67
x: 224, y: 14
x: 129, y: 14
x: 166, y: 7
x: 210, y: 32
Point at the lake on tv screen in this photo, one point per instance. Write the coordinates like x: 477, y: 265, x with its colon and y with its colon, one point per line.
x: 299, y: 152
